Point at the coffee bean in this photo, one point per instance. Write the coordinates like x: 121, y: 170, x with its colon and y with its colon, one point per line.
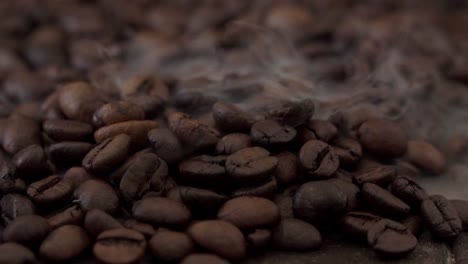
x: 250, y: 165
x: 219, y: 237
x: 70, y: 216
x: 408, y: 191
x: 203, y: 171
x: 460, y: 251
x: 296, y: 235
x: 152, y: 105
x: 70, y: 239
x: 146, y: 229
x: 350, y: 190
x: 50, y: 190
x: 414, y: 224
x: 16, y: 254
x: 292, y: 113
x: 383, y: 202
x: 349, y: 151
x: 383, y: 138
x: 30, y: 110
x: 259, y: 240
x: 232, y: 143
x: 383, y: 235
x: 319, y: 202
x: 462, y: 209
x: 76, y: 176
x: 381, y: 176
x: 107, y: 155
x: 25, y: 86
x: 146, y: 175
x: 67, y: 130
x: 120, y: 246
x: 78, y: 101
x: 441, y: 217
x: 203, y: 258
x: 248, y: 212
x: 15, y: 205
x: 117, y: 112
x: 68, y: 153
x: 19, y: 133
x: 28, y: 230
x: 161, y: 211
x: 200, y: 201
x: 192, y: 132
x: 97, y: 221
x: 286, y: 170
x: 357, y: 224
x: 45, y: 46
x: 137, y: 130
x: 31, y: 160
x: 166, y: 145
x: 9, y: 181
x: 426, y: 157
x: 265, y: 190
x: 229, y: 118
x: 144, y: 85
x: 318, y: 159
x: 270, y: 133
x: 96, y: 194
x: 169, y: 246
x: 116, y: 176
x: 317, y: 130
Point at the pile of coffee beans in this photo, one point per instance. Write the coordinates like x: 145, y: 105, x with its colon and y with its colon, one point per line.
x: 97, y: 165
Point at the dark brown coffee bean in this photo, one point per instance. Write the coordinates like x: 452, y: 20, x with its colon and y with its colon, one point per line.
x: 70, y: 239
x: 116, y: 176
x: 426, y: 157
x: 15, y: 205
x: 192, y: 132
x: 270, y: 133
x: 19, y: 133
x: 350, y: 190
x: 152, y: 105
x: 144, y: 85
x: 68, y: 152
x: 68, y: 130
x: 248, y: 212
x: 357, y: 224
x: 292, y: 113
x: 219, y: 237
x: 161, y: 211
x: 390, y: 238
x: 71, y: 216
x: 265, y: 190
x: 78, y: 101
x: 137, y: 130
x: 462, y: 209
x: 319, y: 202
x: 383, y: 138
x: 50, y: 190
x: 232, y: 143
x: 76, y: 176
x: 31, y: 160
x: 97, y: 221
x: 24, y: 85
x: 251, y: 165
x: 28, y: 230
x: 116, y: 112
x: 381, y: 176
x: 317, y: 130
x: 107, y: 155
x: 146, y: 229
x: 16, y: 254
x: 383, y: 202
x: 169, y: 246
x: 45, y: 46
x: 349, y: 151
x: 9, y: 181
x: 296, y: 235
x: 286, y: 170
x: 199, y: 201
x: 229, y: 118
x: 96, y: 194
x: 203, y: 171
x: 318, y: 159
x: 198, y: 258
x: 414, y: 224
x: 166, y: 145
x: 259, y: 240
x: 441, y: 217
x: 408, y: 191
x: 120, y: 246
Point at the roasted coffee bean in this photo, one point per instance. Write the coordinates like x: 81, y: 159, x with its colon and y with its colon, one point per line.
x: 16, y: 254
x: 408, y: 191
x: 71, y: 216
x: 97, y: 221
x: 78, y: 101
x: 317, y: 130
x: 15, y: 205
x: 349, y: 151
x: 319, y: 202
x: 292, y: 113
x: 383, y: 138
x: 116, y: 176
x: 248, y: 212
x: 68, y: 153
x: 296, y: 235
x: 426, y: 157
x: 350, y: 190
x: 357, y: 224
x: 120, y: 246
x: 286, y: 170
x: 414, y: 224
x: 107, y: 155
x: 199, y: 201
x: 46, y: 46
x: 117, y: 112
x: 383, y: 202
x: 146, y: 175
x: 251, y: 165
x: 68, y: 130
x: 270, y: 133
x: 50, y: 190
x: 229, y: 118
x: 318, y: 159
x: 441, y: 217
x: 220, y: 237
x: 169, y: 246
x: 259, y: 240
x: 462, y: 209
x: 232, y: 143
x: 192, y: 132
x: 96, y: 194
x: 390, y: 238
x: 137, y: 130
x: 152, y: 105
x: 28, y: 230
x: 30, y: 110
x: 9, y: 181
x: 76, y: 176
x: 144, y: 85
x: 161, y: 211
x: 381, y: 176
x: 146, y: 229
x: 198, y: 258
x: 25, y: 86
x: 203, y: 171
x: 460, y: 248
x: 166, y: 145
x: 31, y: 160
x: 70, y: 239
x: 265, y: 190
x: 19, y: 133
